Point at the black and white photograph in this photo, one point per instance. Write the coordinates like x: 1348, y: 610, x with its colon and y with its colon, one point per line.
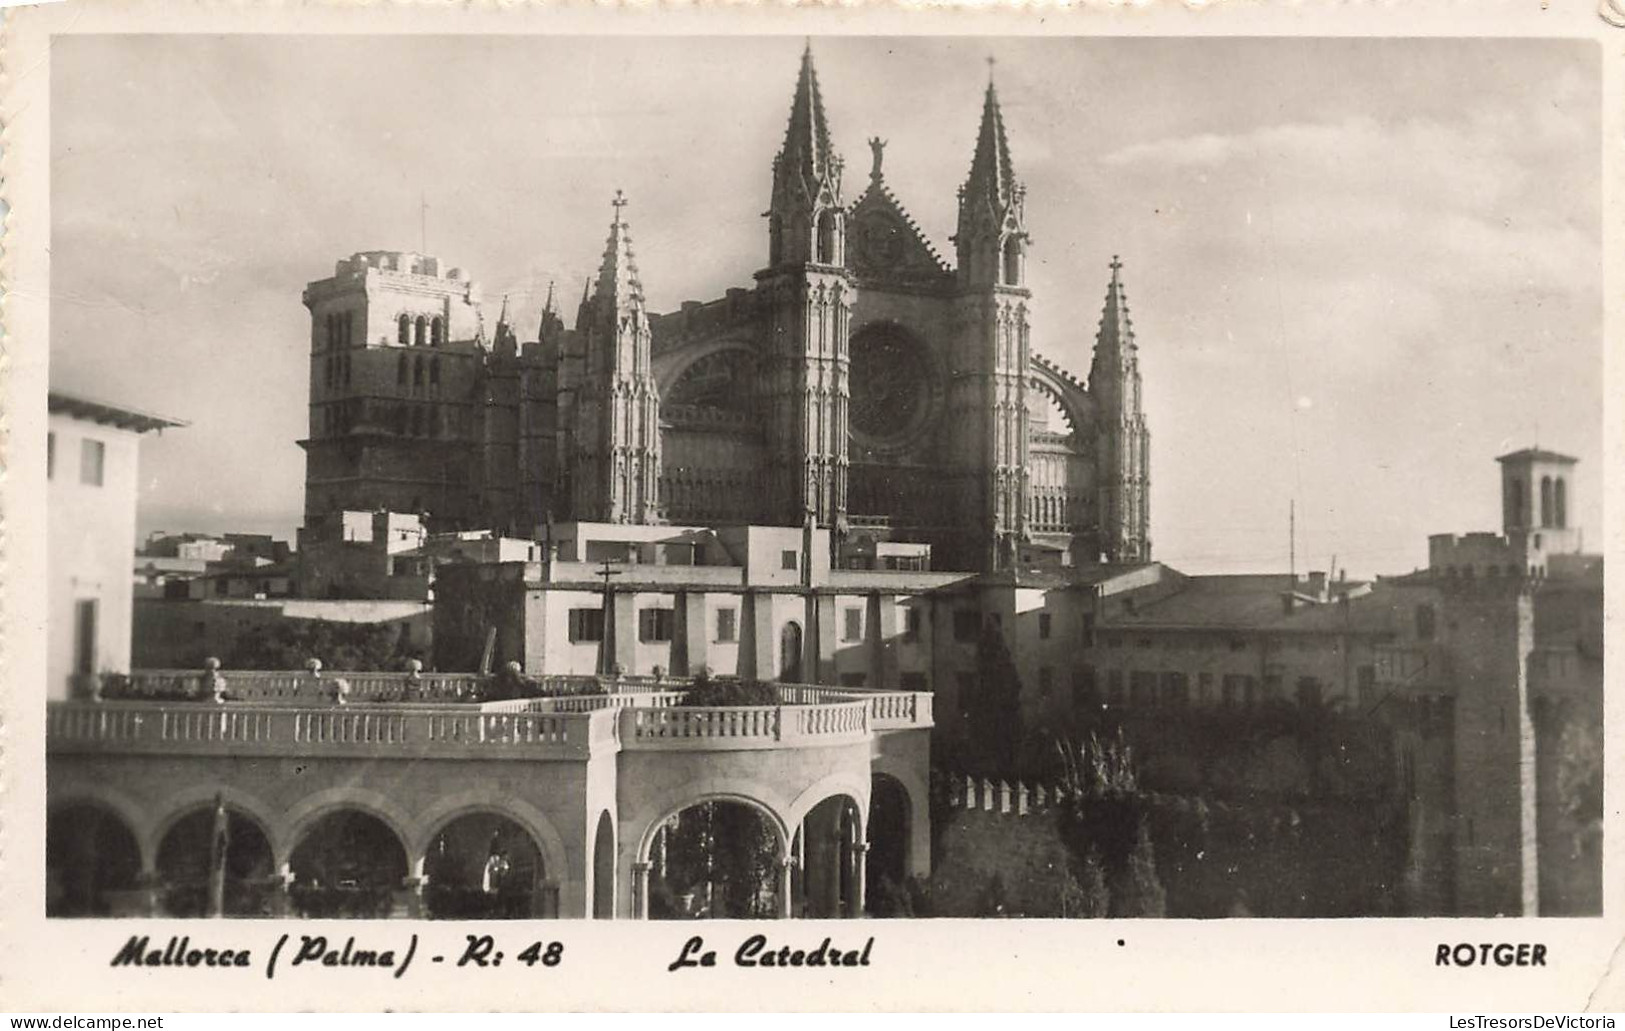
x: 826, y: 475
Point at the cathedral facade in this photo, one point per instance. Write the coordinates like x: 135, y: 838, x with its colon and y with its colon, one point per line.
x: 863, y: 384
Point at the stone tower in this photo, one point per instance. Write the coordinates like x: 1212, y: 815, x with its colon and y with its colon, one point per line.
x: 1123, y: 444
x: 1536, y: 501
x: 988, y: 396
x: 617, y: 404
x: 806, y: 293
x: 394, y: 366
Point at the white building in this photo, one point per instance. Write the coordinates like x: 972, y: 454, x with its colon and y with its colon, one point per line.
x: 91, y: 463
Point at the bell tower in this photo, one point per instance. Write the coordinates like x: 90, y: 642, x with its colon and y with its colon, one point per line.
x: 988, y: 396
x: 806, y: 293
x: 617, y: 406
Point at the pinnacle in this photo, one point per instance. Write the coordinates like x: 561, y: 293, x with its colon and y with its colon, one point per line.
x: 992, y: 174
x: 807, y: 144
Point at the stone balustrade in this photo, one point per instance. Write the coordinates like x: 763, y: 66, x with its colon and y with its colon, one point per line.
x: 737, y: 727
x: 422, y: 731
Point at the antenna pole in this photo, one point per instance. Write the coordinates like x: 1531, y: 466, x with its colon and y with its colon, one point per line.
x: 1292, y: 539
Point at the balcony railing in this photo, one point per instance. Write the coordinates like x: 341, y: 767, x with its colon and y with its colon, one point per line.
x: 560, y: 728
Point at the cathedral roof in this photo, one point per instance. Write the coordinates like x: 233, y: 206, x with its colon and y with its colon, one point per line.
x: 888, y: 242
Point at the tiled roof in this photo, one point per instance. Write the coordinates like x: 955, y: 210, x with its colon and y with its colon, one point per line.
x: 1254, y: 602
x: 123, y: 417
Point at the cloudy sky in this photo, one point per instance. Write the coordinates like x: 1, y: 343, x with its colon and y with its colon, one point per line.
x: 1359, y: 270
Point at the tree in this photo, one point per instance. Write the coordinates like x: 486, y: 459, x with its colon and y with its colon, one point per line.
x: 995, y: 706
x: 1140, y: 892
x: 1087, y: 897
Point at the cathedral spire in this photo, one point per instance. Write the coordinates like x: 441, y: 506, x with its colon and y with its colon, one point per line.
x: 991, y: 239
x: 807, y: 146
x: 992, y: 176
x: 1123, y: 443
x: 505, y: 342
x: 619, y: 290
x: 1116, y: 334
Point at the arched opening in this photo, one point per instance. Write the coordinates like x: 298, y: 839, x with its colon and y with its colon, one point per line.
x: 403, y: 333
x: 1012, y: 262
x: 417, y: 372
x: 348, y: 864
x: 790, y: 653
x: 1545, y: 501
x: 827, y: 232
x: 434, y: 372
x: 888, y: 830
x: 1560, y: 502
x: 420, y: 336
x: 438, y: 332
x: 484, y: 866
x: 400, y: 371
x: 830, y: 881
x: 92, y: 863
x: 186, y: 866
x: 716, y: 859
x: 603, y: 869
x: 1514, y: 504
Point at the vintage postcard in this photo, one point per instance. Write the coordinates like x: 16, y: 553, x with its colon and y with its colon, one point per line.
x: 734, y: 508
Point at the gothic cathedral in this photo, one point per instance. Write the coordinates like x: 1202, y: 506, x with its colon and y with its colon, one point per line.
x: 863, y: 385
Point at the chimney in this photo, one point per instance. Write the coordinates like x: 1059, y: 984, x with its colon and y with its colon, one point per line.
x: 1317, y: 585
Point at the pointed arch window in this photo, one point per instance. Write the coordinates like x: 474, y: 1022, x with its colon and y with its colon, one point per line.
x: 421, y: 336
x: 1546, y: 501
x: 828, y: 238
x: 437, y: 332
x: 1012, y: 262
x: 403, y: 333
x: 1560, y: 503
x: 434, y: 372
x: 417, y: 373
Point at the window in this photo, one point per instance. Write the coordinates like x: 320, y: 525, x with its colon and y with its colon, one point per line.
x: 437, y: 332
x: 1043, y: 625
x: 851, y: 623
x: 727, y: 625
x: 400, y: 371
x: 1083, y: 687
x: 1546, y: 501
x: 655, y: 624
x: 1272, y: 687
x: 586, y: 624
x: 1012, y: 262
x: 1365, y: 678
x: 1424, y: 622
x: 50, y: 455
x: 1114, y: 640
x: 1088, y: 629
x: 420, y: 336
x: 434, y: 373
x: 1204, y: 688
x: 1144, y: 642
x: 1142, y: 688
x: 787, y: 560
x: 222, y: 586
x: 826, y: 239
x: 84, y: 636
x: 1238, y: 644
x: 911, y: 624
x: 965, y: 625
x: 1175, y: 689
x: 92, y: 459
x: 1232, y: 688
x: 1560, y: 503
x: 403, y: 334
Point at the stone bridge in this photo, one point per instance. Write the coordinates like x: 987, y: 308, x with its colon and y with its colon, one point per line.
x: 572, y: 795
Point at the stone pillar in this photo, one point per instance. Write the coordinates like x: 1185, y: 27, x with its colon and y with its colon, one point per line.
x: 885, y: 636
x: 281, y: 891
x: 640, y: 890
x: 412, y: 886
x: 786, y: 868
x: 625, y: 655
x: 823, y: 672
x: 690, y: 636
x: 759, y: 610
x: 860, y: 875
